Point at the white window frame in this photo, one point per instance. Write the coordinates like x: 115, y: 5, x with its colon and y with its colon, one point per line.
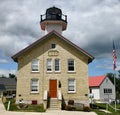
x: 49, y: 65
x: 71, y: 66
x: 72, y: 85
x: 57, y: 65
x: 35, y: 64
x: 34, y: 85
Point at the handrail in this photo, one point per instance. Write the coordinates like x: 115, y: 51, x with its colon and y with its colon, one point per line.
x: 45, y: 95
x: 63, y: 17
x: 59, y: 95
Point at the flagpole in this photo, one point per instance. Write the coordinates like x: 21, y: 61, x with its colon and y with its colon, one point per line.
x: 114, y: 67
x: 115, y: 87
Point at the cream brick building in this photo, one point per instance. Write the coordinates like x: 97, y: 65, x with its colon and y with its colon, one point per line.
x: 52, y: 67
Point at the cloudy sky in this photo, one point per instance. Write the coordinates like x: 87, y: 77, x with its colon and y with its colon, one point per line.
x: 92, y: 25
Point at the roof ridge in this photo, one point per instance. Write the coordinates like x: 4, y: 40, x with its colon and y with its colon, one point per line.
x: 14, y: 57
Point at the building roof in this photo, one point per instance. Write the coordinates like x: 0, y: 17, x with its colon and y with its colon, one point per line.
x: 96, y: 81
x: 7, y: 83
x: 2, y: 87
x: 15, y: 57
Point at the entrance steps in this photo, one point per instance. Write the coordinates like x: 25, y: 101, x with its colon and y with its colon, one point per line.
x: 54, y: 104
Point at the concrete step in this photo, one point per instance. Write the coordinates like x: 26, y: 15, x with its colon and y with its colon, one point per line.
x: 53, y: 104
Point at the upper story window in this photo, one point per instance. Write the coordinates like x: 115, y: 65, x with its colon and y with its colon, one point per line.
x: 71, y: 65
x: 34, y: 85
x: 53, y: 46
x: 71, y: 86
x: 57, y: 65
x: 49, y: 65
x: 35, y: 65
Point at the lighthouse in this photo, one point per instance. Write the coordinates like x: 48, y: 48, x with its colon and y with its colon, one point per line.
x: 53, y: 19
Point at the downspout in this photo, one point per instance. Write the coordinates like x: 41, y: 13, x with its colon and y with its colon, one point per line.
x: 43, y: 76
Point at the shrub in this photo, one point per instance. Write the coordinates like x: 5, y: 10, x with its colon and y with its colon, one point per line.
x: 86, y: 109
x: 4, y: 99
x: 63, y: 106
x: 69, y: 108
x: 71, y: 102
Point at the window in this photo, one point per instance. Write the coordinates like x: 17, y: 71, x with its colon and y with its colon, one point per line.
x: 107, y: 91
x: 53, y: 46
x: 70, y: 65
x: 49, y: 65
x: 57, y: 65
x: 71, y: 85
x: 34, y: 85
x: 35, y: 65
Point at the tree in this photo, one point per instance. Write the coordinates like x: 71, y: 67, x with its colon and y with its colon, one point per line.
x: 119, y: 73
x: 111, y: 77
x: 12, y: 76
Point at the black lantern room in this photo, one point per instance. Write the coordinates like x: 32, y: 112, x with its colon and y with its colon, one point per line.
x: 53, y: 15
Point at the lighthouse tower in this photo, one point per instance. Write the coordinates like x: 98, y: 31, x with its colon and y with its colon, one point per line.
x: 53, y: 19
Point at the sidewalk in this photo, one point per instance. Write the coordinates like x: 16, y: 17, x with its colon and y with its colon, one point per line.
x: 48, y: 112
x: 2, y: 108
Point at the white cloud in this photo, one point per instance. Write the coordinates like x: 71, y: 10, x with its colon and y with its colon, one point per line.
x: 3, y: 61
x: 6, y: 72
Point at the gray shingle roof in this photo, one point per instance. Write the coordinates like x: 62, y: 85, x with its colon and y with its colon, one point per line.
x: 2, y: 87
x: 7, y: 83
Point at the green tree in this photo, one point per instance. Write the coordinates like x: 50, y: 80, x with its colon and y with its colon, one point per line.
x: 111, y: 77
x: 11, y: 75
x: 117, y: 79
x: 119, y: 73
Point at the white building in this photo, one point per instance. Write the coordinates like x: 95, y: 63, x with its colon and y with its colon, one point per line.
x: 102, y: 88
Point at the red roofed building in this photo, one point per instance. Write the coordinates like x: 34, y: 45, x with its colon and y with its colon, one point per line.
x: 102, y: 88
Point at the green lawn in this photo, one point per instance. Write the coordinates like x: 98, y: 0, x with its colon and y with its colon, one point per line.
x: 103, y: 106
x: 28, y: 108
x: 40, y: 108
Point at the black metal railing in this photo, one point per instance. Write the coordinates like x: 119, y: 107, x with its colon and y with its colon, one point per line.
x: 53, y: 17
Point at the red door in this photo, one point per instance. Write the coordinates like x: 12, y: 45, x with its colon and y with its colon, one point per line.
x: 53, y: 88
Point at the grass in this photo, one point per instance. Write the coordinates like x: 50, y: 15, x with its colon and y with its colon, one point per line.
x: 103, y: 106
x: 40, y: 108
x: 29, y: 108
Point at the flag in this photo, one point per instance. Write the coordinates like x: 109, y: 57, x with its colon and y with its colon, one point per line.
x: 114, y: 57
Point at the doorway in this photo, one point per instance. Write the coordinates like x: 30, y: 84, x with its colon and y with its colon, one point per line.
x: 53, y: 88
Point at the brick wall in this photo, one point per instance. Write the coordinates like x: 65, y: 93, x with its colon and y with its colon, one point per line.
x: 42, y: 52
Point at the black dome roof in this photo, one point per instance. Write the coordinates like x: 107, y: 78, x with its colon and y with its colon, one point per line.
x: 53, y: 10
x: 53, y: 13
